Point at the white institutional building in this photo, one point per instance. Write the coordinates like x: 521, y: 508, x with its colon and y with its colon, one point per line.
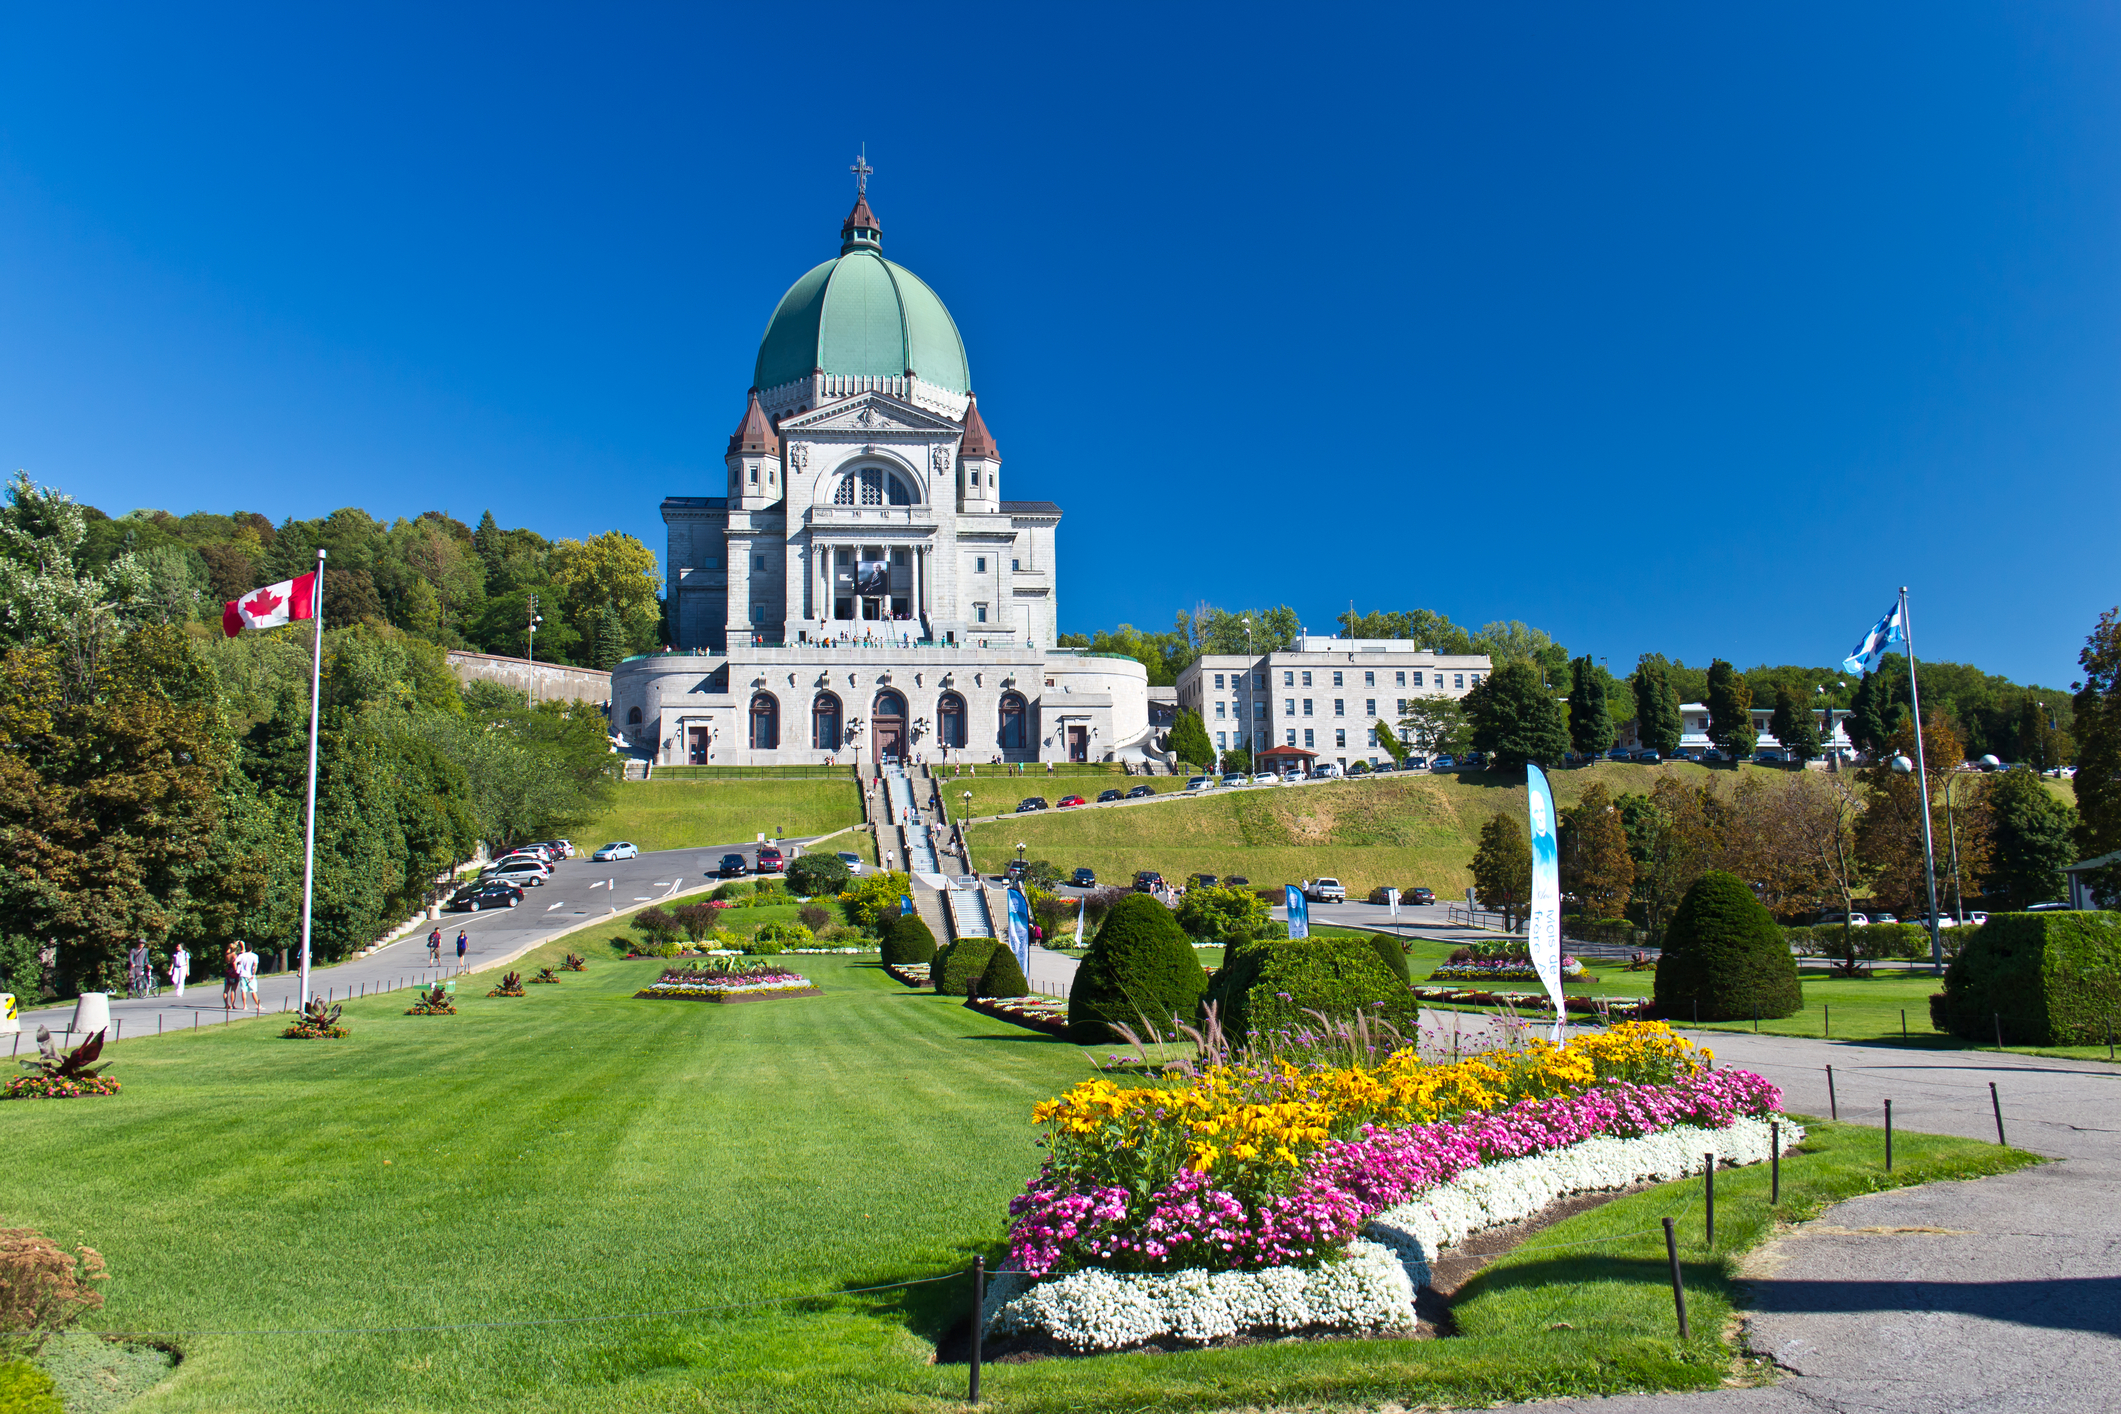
x: 860, y: 589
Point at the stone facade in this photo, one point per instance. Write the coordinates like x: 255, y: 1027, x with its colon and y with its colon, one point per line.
x: 539, y: 682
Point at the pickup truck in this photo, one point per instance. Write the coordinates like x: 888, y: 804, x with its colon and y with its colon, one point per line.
x: 1326, y: 891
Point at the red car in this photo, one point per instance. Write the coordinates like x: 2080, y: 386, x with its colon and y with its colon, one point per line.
x: 1068, y: 800
x: 770, y: 861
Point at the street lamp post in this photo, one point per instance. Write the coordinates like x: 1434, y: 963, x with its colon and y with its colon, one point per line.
x: 1951, y: 830
x: 1902, y: 766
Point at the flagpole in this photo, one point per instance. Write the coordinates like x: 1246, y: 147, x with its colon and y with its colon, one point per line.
x: 309, y: 829
x: 1929, y: 845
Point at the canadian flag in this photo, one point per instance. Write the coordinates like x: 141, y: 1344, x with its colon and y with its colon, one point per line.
x: 271, y: 606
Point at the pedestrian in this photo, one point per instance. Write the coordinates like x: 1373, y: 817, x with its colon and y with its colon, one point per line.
x: 434, y: 948
x: 138, y: 970
x: 247, y: 978
x: 179, y: 968
x: 228, y: 978
x: 463, y: 942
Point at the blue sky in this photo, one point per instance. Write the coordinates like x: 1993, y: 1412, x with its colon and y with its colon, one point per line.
x: 1694, y: 329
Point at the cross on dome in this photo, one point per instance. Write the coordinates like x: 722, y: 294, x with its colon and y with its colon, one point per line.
x: 861, y: 170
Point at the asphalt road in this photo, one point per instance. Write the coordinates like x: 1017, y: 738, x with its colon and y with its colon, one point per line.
x: 578, y: 891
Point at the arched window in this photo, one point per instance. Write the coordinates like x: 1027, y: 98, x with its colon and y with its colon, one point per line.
x: 844, y: 494
x: 765, y: 722
x: 950, y: 720
x: 872, y: 486
x: 825, y: 722
x: 1014, y: 728
x: 897, y: 493
x: 633, y: 718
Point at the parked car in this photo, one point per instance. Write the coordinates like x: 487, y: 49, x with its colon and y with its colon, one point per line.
x: 561, y: 849
x: 1106, y: 797
x: 1712, y: 754
x: 520, y: 855
x: 1068, y: 800
x: 733, y: 866
x: 1146, y: 880
x: 1084, y: 878
x: 1235, y: 881
x: 1206, y: 881
x: 1418, y: 896
x: 1648, y: 757
x: 1030, y: 803
x: 617, y: 849
x: 1015, y: 870
x: 1141, y: 792
x: 1326, y: 891
x: 1619, y: 753
x: 1975, y: 918
x: 1237, y: 778
x: 1473, y: 761
x: 1200, y: 783
x: 852, y: 860
x: 771, y: 860
x: 1359, y: 768
x: 518, y: 871
x: 1327, y: 771
x: 1443, y: 763
x: 1768, y: 757
x: 1266, y: 778
x: 487, y: 893
x: 2051, y: 906
x: 1415, y: 763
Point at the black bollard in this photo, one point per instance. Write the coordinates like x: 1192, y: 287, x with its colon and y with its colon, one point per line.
x: 1888, y: 1136
x: 1903, y: 1023
x: 1756, y: 1018
x: 1833, y: 1107
x: 1999, y: 1030
x: 1708, y: 1189
x: 1671, y: 1251
x: 1826, y: 1022
x: 1993, y: 1100
x: 1775, y: 1165
x: 979, y: 1299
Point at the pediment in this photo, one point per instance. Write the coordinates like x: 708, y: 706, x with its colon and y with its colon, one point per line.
x: 867, y: 415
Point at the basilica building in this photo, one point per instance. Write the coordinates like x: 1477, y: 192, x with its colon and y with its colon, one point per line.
x: 860, y: 590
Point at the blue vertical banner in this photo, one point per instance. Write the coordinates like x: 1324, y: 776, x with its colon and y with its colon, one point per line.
x: 1299, y: 913
x: 1543, y: 925
x: 1020, y: 928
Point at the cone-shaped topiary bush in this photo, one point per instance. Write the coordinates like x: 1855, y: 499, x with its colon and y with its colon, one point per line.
x: 1004, y: 976
x: 1139, y: 966
x: 907, y: 939
x: 1394, y: 955
x: 1724, y: 952
x: 960, y: 965
x: 1276, y: 985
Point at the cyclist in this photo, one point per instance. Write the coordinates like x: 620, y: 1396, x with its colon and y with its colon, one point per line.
x: 140, y: 974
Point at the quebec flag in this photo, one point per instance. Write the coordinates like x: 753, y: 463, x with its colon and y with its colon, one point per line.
x: 1884, y: 633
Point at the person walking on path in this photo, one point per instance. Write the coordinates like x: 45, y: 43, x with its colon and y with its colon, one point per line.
x: 179, y: 968
x: 434, y: 948
x: 139, y: 971
x: 228, y: 978
x: 247, y: 979
x: 463, y: 942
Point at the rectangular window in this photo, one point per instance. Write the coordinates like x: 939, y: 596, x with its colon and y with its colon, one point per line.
x: 1459, y: 680
x: 758, y: 562
x: 1288, y: 706
x: 1310, y: 738
x: 1340, y: 740
x: 1015, y: 565
x: 1369, y: 709
x: 1476, y: 679
x: 754, y: 476
x: 1259, y: 711
x: 1402, y: 706
x: 1401, y: 680
x: 1222, y: 741
x: 979, y: 564
x: 1417, y: 679
x: 1369, y: 679
x: 1218, y: 680
x: 1307, y: 706
x: 1336, y: 680
x: 1291, y: 734
x: 1218, y: 712
x: 758, y: 613
x: 1259, y: 740
x: 1373, y: 736
x: 1340, y: 706
x: 1288, y: 679
x: 1259, y: 681
x: 1307, y: 679
x: 979, y: 613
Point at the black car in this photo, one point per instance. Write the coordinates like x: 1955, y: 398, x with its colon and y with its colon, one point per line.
x: 1235, y: 881
x: 1141, y: 792
x: 733, y: 867
x: 1420, y: 896
x: 1084, y: 878
x: 1107, y: 797
x: 1030, y: 803
x: 1146, y: 880
x: 494, y: 893
x: 1206, y: 881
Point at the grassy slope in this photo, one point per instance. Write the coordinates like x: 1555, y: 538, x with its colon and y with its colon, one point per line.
x: 576, y: 1152
x: 676, y: 814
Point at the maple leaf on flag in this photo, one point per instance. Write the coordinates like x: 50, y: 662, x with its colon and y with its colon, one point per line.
x: 263, y: 603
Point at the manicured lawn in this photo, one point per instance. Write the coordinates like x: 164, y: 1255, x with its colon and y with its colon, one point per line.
x: 659, y: 814
x: 577, y: 1153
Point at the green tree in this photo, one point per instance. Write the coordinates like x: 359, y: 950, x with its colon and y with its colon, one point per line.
x: 2033, y: 837
x: 1189, y: 741
x: 611, y: 638
x: 1595, y: 863
x: 2098, y: 778
x: 1434, y: 724
x: 2041, y: 743
x: 613, y: 567
x: 1869, y: 723
x: 1590, y: 724
x: 1424, y: 628
x: 1238, y: 757
x: 1730, y: 704
x: 1388, y: 740
x: 48, y: 589
x: 1514, y: 642
x: 1224, y: 915
x: 1658, y: 724
x: 1724, y: 957
x: 1794, y: 726
x: 1516, y: 719
x: 1502, y: 868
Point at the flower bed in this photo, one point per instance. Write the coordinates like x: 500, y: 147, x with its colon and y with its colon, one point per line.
x: 43, y: 1087
x: 727, y: 984
x: 1619, y: 1008
x: 913, y: 974
x: 1509, y: 969
x: 1039, y: 1013
x: 1273, y: 1170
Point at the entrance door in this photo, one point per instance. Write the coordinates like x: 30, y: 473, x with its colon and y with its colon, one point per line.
x: 888, y: 726
x: 1078, y: 743
x: 698, y: 751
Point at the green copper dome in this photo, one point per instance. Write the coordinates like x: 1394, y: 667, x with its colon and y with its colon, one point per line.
x: 862, y: 316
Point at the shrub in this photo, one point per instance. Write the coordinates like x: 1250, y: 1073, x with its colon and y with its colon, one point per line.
x: 1274, y: 986
x: 1394, y: 954
x: 732, y: 891
x: 2053, y: 978
x: 909, y: 942
x: 768, y: 892
x: 874, y: 897
x: 813, y: 917
x: 763, y: 946
x: 43, y: 1288
x: 958, y: 966
x: 669, y: 947
x: 792, y: 935
x: 25, y: 1389
x: 1223, y: 915
x: 510, y: 985
x: 1724, y: 953
x: 433, y: 1003
x: 814, y: 874
x: 573, y: 962
x: 317, y: 1022
x: 1139, y: 967
x: 657, y: 923
x: 697, y: 920
x: 1003, y: 976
